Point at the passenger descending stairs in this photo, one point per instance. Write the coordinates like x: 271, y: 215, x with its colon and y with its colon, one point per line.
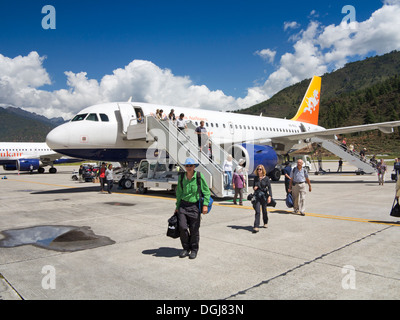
x: 181, y: 145
x: 352, y: 158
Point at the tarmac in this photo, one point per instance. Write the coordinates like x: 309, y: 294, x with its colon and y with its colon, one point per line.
x: 64, y: 240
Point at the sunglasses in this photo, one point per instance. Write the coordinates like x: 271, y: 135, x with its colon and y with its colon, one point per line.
x: 189, y: 165
x: 259, y: 169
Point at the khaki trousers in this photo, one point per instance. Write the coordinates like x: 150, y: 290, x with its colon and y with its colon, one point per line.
x: 299, y: 197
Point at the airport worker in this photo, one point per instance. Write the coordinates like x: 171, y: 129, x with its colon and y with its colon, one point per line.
x: 299, y: 178
x: 263, y: 195
x: 80, y: 172
x: 340, y: 167
x: 109, y: 177
x: 187, y: 208
x: 398, y: 189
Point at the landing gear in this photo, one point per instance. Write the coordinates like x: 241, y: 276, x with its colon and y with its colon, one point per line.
x: 52, y: 170
x: 41, y: 170
x: 275, y: 174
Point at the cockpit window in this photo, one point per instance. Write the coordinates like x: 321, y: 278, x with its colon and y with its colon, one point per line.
x: 92, y: 117
x: 104, y: 117
x: 79, y: 117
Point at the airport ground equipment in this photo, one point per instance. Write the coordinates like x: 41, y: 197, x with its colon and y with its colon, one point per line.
x: 183, y: 144
x: 347, y: 155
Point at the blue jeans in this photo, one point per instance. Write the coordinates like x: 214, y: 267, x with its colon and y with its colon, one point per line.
x: 229, y: 174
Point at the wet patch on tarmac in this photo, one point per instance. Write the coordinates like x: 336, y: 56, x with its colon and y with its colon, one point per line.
x: 121, y: 204
x: 57, y: 238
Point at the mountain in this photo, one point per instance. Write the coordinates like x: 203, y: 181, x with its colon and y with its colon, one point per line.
x: 17, y: 125
x: 361, y: 92
x: 353, y: 77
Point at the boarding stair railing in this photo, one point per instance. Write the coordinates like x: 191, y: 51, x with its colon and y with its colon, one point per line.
x: 343, y: 152
x: 183, y: 144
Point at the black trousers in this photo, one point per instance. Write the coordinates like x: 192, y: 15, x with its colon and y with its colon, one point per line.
x: 189, y: 225
x: 263, y: 204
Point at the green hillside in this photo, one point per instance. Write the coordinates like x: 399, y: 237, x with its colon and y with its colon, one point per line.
x: 15, y: 128
x: 353, y: 77
x: 362, y: 92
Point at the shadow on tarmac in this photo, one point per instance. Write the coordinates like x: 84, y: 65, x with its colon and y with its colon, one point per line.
x: 163, y: 252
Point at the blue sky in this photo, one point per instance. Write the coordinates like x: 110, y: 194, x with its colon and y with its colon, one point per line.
x: 209, y: 43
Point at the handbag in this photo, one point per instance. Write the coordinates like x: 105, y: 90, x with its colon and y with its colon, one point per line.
x: 173, y: 227
x: 272, y: 203
x: 395, y: 212
x: 289, y: 200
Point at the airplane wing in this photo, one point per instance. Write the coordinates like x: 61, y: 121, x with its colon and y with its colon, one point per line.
x: 50, y: 157
x: 385, y: 127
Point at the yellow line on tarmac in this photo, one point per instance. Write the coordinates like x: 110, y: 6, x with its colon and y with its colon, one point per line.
x: 316, y: 215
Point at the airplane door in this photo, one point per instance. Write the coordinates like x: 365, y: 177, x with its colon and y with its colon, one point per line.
x: 231, y: 128
x: 127, y: 114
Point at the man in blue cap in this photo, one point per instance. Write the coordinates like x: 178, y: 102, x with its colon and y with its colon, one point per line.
x: 187, y: 207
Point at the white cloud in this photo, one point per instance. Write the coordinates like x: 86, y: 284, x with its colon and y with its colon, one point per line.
x: 320, y: 49
x: 290, y: 25
x: 316, y: 50
x: 266, y: 54
x: 22, y: 77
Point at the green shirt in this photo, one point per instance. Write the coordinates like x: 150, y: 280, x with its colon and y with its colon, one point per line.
x: 189, y: 192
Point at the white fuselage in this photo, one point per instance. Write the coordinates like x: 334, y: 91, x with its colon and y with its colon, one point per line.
x: 99, y: 129
x: 12, y: 151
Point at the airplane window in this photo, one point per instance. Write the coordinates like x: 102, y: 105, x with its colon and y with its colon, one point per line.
x: 92, y: 117
x: 240, y: 126
x: 206, y: 124
x: 212, y: 125
x: 104, y: 117
x: 79, y: 117
x: 216, y: 125
x: 224, y: 125
x: 196, y: 123
x: 236, y: 126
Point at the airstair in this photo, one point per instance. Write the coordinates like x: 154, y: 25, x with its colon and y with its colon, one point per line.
x: 351, y: 157
x: 181, y: 145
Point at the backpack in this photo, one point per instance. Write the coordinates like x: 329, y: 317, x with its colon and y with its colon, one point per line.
x: 201, y: 197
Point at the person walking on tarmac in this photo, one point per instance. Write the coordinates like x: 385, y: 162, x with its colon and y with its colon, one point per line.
x: 299, y: 177
x: 187, y: 208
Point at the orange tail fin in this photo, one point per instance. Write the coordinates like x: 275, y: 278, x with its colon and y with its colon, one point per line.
x: 309, y: 108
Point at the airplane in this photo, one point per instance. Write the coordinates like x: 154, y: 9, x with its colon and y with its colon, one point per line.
x: 29, y: 156
x: 99, y: 132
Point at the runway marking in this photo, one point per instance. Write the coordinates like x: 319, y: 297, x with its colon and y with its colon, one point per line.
x: 308, y: 214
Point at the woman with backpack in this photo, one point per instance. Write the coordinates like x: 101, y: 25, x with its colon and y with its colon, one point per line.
x: 187, y: 208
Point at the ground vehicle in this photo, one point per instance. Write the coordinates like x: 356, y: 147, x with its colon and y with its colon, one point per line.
x: 89, y: 173
x: 153, y: 174
x: 306, y: 161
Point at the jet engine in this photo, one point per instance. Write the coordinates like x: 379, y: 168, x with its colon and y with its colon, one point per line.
x: 255, y: 155
x: 10, y: 167
x: 25, y: 164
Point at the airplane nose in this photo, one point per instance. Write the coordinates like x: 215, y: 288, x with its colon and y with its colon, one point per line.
x: 58, y: 138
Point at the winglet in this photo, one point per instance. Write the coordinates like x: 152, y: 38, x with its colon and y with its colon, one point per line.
x: 309, y: 108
